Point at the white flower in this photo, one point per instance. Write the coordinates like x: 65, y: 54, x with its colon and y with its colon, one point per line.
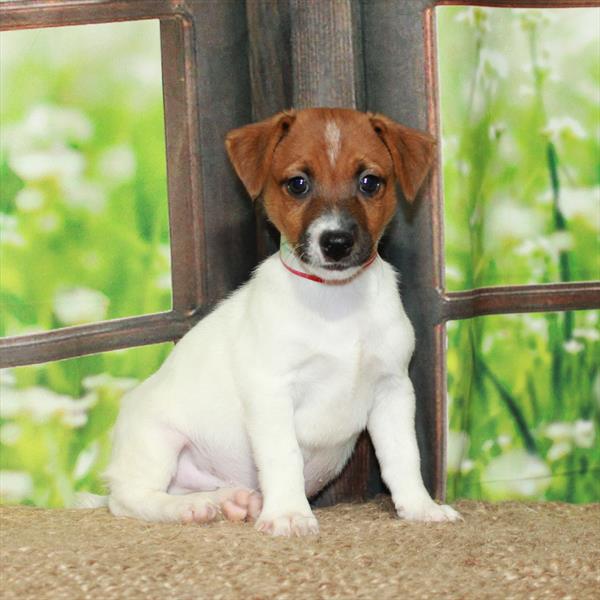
x: 59, y: 162
x: 9, y: 233
x: 558, y: 450
x: 458, y: 442
x: 163, y: 282
x: 10, y: 433
x: 86, y: 460
x: 57, y: 123
x: 466, y: 466
x: 504, y: 440
x: 536, y: 325
x: 7, y: 377
x: 496, y: 130
x: 573, y: 346
x: 83, y: 194
x: 475, y: 17
x: 557, y: 127
x: 583, y: 203
x: 75, y: 306
x: 508, y: 220
x: 487, y: 445
x: 559, y: 431
x: 561, y: 241
x: 493, y: 63
x: 584, y: 433
x: 48, y: 222
x: 107, y: 381
x: 117, y: 164
x: 15, y: 486
x: 516, y: 474
x: 29, y: 199
x: 589, y: 334
x: 41, y: 404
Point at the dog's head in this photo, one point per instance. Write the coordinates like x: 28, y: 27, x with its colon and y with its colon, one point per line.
x: 327, y: 179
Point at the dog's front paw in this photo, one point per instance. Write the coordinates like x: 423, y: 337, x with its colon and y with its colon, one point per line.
x: 288, y: 524
x: 428, y: 511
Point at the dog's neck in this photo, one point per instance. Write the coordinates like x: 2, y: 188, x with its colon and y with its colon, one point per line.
x: 295, y: 266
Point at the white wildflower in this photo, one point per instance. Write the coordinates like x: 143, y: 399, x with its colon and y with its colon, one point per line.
x: 84, y: 194
x: 107, y: 381
x: 536, y: 325
x: 466, y: 466
x: 15, y: 486
x: 487, y: 445
x: 7, y: 377
x: 559, y: 450
x: 584, y: 433
x: 558, y: 127
x: 58, y: 162
x: 117, y: 164
x: 516, y: 474
x: 10, y: 434
x: 163, y: 282
x: 561, y: 241
x: 86, y: 460
x: 57, y: 123
x: 476, y: 17
x: 496, y: 130
x: 29, y: 199
x: 493, y: 63
x: 42, y: 404
x: 508, y: 220
x: 583, y: 203
x: 458, y: 443
x: 589, y: 334
x: 75, y: 306
x: 573, y: 346
x: 48, y: 222
x: 9, y: 231
x: 504, y: 440
x: 559, y: 431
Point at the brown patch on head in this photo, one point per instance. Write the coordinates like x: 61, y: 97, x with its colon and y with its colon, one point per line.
x: 333, y: 149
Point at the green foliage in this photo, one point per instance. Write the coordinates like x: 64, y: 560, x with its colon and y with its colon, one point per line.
x: 83, y: 237
x: 521, y: 166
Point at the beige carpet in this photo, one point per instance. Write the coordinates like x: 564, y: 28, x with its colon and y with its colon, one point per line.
x: 504, y: 551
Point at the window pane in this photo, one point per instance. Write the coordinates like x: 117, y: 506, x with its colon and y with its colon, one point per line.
x: 524, y: 407
x: 83, y: 200
x: 55, y: 422
x: 521, y: 151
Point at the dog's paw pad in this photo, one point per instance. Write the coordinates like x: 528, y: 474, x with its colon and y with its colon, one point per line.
x: 295, y: 524
x: 429, y: 512
x: 199, y: 513
x: 241, y: 505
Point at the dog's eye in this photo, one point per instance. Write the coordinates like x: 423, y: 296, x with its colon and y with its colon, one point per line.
x: 298, y: 186
x: 369, y: 184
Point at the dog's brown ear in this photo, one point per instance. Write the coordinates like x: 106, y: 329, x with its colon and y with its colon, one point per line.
x: 250, y: 149
x: 412, y: 152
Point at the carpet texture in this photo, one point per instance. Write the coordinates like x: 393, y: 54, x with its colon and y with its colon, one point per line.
x: 507, y: 550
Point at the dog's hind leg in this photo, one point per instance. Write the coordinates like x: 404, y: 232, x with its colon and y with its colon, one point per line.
x: 142, y: 469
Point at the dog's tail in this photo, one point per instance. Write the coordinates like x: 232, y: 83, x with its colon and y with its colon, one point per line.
x: 87, y: 500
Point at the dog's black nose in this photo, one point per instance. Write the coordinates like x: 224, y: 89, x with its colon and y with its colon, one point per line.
x: 336, y: 244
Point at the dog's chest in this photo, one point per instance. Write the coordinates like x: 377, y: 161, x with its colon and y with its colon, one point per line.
x: 332, y: 390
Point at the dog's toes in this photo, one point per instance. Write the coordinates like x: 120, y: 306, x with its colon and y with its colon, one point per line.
x: 254, y: 505
x: 429, y: 512
x: 233, y: 511
x: 199, y: 513
x: 289, y: 525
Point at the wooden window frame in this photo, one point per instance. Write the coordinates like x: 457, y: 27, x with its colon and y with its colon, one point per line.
x: 383, y: 53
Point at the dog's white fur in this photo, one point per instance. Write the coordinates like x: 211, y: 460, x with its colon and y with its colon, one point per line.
x: 270, y: 392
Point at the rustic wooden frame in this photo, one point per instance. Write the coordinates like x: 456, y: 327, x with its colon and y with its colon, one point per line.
x: 301, y: 53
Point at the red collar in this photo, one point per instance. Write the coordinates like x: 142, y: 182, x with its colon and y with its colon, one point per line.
x: 318, y: 279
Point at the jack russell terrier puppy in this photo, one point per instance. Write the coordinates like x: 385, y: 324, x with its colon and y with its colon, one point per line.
x: 259, y: 406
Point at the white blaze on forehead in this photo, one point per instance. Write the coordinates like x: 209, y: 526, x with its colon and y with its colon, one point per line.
x: 333, y: 138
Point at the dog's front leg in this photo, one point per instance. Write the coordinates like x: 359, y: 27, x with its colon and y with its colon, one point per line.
x: 391, y: 425
x: 270, y: 423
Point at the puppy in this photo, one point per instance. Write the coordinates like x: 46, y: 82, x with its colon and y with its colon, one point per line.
x: 259, y: 406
